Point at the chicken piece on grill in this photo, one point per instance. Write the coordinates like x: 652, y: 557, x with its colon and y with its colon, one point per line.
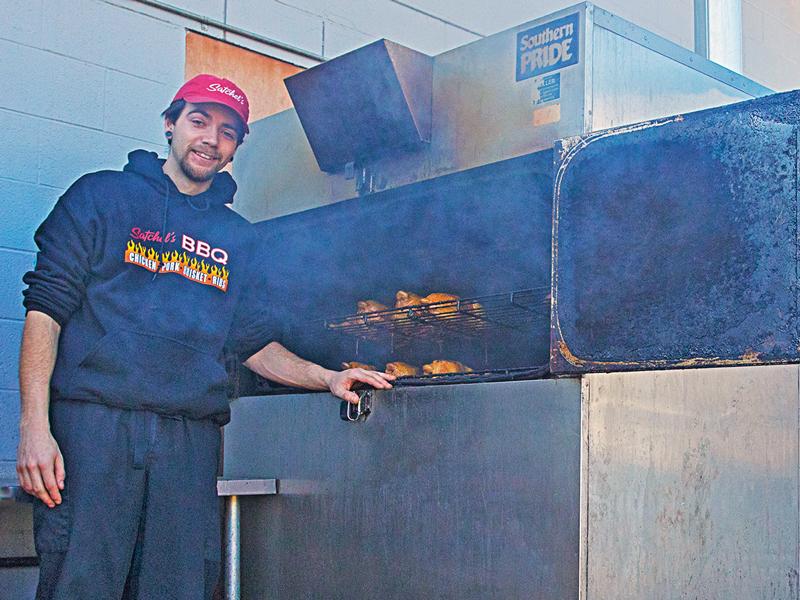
x: 445, y: 309
x: 370, y: 306
x: 357, y: 365
x: 362, y: 307
x: 401, y: 369
x: 367, y: 306
x: 403, y: 299
x: 442, y: 367
x: 440, y: 297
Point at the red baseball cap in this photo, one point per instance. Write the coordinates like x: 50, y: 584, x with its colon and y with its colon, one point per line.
x: 210, y: 88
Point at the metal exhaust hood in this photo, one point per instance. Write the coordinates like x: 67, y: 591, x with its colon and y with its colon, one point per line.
x: 365, y: 103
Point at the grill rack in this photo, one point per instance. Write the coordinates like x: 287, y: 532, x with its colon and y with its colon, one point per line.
x: 487, y: 375
x: 477, y: 317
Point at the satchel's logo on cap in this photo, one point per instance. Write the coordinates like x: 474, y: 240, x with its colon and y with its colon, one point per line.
x: 224, y: 89
x: 210, y: 88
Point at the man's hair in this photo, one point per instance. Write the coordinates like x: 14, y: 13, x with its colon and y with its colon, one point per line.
x: 174, y: 110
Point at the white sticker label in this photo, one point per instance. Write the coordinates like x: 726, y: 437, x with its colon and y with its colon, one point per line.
x: 546, y: 88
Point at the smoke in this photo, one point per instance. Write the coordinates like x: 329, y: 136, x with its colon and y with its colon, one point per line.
x: 480, y: 232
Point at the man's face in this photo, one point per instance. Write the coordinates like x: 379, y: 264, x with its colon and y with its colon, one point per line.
x: 204, y: 139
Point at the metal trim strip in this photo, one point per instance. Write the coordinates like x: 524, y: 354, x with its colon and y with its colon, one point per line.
x: 671, y: 50
x: 247, y: 487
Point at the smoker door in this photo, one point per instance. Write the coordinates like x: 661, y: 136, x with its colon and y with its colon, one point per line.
x: 675, y: 241
x: 464, y: 491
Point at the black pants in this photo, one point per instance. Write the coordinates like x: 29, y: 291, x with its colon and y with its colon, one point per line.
x: 139, y: 517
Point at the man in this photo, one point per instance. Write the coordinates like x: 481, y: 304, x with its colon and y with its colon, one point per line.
x: 141, y: 282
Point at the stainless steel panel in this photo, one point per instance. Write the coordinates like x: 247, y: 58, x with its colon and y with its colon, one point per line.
x: 606, y: 20
x: 465, y: 491
x: 481, y: 114
x: 632, y: 83
x: 692, y: 483
x: 725, y: 33
x: 276, y: 171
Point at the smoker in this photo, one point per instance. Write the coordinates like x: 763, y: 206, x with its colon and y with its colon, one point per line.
x: 399, y: 171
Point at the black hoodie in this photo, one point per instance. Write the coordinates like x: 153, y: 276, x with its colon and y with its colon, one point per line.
x: 147, y: 285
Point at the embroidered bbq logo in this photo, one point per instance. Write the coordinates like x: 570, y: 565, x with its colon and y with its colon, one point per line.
x: 178, y: 263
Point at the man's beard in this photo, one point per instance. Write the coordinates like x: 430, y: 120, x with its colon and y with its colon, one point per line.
x: 194, y: 174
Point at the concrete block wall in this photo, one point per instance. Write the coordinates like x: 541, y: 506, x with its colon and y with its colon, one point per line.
x: 332, y: 27
x: 84, y: 83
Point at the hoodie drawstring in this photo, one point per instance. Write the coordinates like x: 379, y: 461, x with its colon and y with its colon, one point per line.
x: 194, y: 206
x: 164, y: 224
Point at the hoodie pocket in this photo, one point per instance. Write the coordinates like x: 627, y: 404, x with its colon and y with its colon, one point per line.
x: 142, y: 370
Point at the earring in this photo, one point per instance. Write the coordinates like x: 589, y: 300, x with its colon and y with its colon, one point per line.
x: 168, y: 135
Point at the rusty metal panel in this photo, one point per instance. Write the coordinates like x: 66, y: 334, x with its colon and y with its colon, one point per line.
x: 692, y: 480
x: 675, y: 241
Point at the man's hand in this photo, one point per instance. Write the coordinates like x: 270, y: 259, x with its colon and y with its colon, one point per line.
x: 340, y: 383
x: 276, y: 363
x: 40, y: 466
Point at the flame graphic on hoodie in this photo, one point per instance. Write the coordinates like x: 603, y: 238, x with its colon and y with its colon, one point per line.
x: 136, y: 254
x: 178, y: 263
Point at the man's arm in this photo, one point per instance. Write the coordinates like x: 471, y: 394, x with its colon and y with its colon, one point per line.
x: 276, y: 363
x: 40, y: 466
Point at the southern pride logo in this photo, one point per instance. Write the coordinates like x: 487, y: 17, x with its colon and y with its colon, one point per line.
x: 548, y: 47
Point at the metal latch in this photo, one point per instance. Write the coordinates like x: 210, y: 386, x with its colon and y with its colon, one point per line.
x: 357, y: 412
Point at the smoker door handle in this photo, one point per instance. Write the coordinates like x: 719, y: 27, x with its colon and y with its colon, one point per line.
x: 357, y: 412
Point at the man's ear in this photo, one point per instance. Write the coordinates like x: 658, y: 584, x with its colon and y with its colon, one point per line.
x: 169, y: 126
